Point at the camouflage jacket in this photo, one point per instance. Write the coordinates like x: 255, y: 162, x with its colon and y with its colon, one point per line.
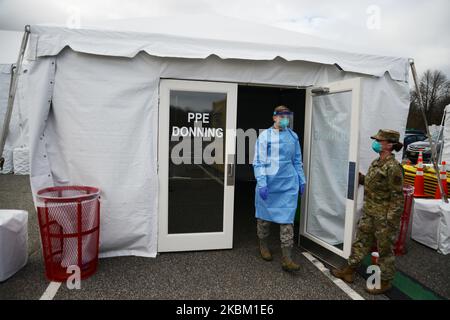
x: 383, y: 189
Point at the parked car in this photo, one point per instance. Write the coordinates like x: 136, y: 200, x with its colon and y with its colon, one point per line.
x: 414, y: 131
x: 412, y: 136
x: 412, y: 151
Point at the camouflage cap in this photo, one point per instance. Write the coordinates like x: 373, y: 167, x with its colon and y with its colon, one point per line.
x: 387, y: 135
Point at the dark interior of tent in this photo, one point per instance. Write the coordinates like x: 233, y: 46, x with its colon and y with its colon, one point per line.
x: 254, y: 110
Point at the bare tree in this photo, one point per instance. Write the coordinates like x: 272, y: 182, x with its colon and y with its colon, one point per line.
x: 435, y: 90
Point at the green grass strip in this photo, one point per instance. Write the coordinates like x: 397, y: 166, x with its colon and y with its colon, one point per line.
x: 408, y: 286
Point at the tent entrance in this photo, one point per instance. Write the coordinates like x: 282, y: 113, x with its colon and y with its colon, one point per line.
x: 254, y: 111
x: 327, y: 123
x: 199, y: 200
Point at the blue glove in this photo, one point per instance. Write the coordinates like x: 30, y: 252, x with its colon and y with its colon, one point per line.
x: 302, y: 188
x: 263, y: 192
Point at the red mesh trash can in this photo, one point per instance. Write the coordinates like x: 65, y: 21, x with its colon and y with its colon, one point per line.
x: 69, y: 220
x: 408, y: 192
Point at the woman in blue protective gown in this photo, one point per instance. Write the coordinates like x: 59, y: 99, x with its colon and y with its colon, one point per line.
x: 280, y: 178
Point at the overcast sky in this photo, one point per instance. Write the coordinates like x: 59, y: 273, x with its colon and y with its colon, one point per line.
x: 409, y: 28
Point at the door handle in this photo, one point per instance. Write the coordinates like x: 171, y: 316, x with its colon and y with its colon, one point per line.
x: 231, y: 170
x: 351, y: 180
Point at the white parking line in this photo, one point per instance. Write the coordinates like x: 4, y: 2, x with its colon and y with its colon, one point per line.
x: 341, y: 284
x: 51, y: 291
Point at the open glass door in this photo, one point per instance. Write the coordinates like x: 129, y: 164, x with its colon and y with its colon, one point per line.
x: 196, y: 152
x: 331, y: 167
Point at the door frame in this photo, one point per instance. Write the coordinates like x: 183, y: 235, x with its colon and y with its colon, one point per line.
x: 353, y: 85
x: 206, y: 240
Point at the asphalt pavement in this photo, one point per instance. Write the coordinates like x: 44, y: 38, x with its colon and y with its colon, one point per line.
x: 238, y: 273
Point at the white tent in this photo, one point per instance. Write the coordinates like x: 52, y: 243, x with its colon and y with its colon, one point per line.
x: 93, y: 102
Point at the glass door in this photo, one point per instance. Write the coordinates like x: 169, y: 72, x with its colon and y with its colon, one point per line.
x: 331, y: 165
x: 197, y: 122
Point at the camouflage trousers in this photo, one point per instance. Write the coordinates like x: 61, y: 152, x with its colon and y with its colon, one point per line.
x: 286, y: 232
x: 376, y: 229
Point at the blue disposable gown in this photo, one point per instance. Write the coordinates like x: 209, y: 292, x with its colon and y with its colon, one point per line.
x: 278, y: 165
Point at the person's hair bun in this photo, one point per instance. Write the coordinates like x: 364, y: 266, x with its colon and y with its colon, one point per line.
x: 398, y: 146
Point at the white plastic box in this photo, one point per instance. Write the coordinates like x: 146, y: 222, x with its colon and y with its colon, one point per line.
x: 431, y: 224
x: 13, y: 242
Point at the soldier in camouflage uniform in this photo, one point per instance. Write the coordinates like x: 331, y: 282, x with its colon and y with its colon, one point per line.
x: 383, y: 207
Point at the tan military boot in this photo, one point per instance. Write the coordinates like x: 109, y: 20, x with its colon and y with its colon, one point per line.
x: 264, y: 250
x: 286, y: 260
x: 345, y: 273
x: 385, y: 286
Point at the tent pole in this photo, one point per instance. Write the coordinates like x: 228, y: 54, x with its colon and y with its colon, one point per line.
x: 432, y: 145
x: 15, y: 71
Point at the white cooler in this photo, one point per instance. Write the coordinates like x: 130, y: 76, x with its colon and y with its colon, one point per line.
x: 431, y: 224
x: 13, y: 242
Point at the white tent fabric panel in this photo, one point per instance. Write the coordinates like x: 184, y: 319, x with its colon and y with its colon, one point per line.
x: 50, y: 40
x: 102, y: 129
x: 18, y: 128
x: 5, y: 78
